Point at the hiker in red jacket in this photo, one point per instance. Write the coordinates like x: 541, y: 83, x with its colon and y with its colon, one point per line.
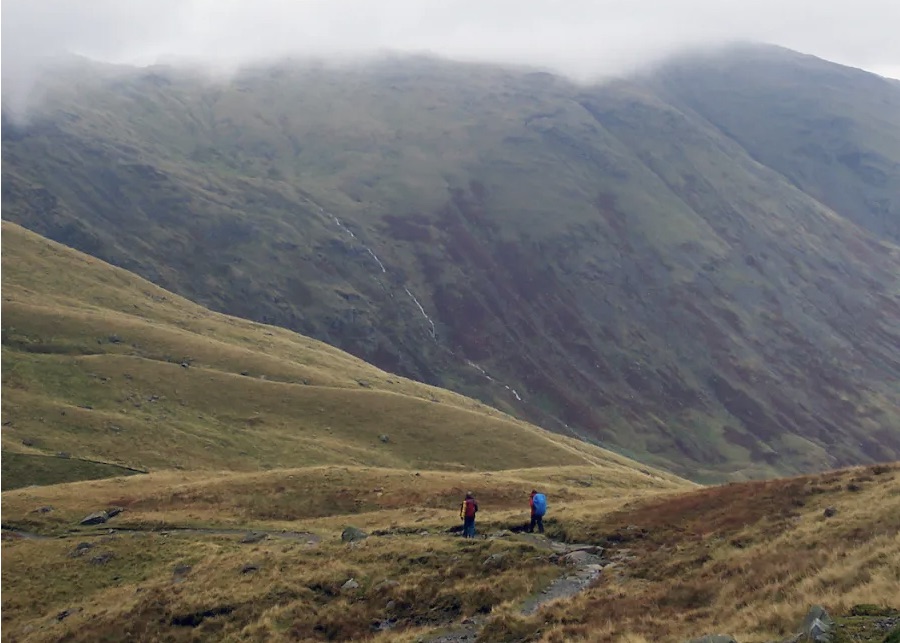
x: 467, y: 512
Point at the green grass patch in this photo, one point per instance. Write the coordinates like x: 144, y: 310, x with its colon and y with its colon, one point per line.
x: 25, y: 469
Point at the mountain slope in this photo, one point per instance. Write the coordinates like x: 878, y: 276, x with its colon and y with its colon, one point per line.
x: 100, y: 366
x: 806, y: 120
x: 619, y: 263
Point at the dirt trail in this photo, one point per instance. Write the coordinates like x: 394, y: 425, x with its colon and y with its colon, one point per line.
x: 584, y: 564
x: 248, y: 535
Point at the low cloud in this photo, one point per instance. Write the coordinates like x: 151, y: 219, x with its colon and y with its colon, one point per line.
x: 582, y: 38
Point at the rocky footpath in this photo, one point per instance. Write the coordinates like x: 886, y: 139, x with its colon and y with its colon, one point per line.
x: 583, y: 564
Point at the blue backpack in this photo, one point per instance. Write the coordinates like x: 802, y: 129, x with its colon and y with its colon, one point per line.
x: 540, y: 504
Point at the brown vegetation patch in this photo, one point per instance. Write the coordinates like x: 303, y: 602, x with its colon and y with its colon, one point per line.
x: 745, y: 558
x: 747, y: 409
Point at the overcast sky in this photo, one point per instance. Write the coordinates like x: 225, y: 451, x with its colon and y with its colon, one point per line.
x: 584, y: 38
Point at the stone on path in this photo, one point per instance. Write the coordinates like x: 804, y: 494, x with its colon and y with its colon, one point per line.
x: 578, y: 558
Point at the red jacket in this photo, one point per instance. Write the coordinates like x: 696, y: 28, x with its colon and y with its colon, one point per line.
x: 469, y: 508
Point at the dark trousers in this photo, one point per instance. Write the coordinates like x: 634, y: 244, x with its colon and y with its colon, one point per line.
x: 537, y: 520
x: 469, y: 527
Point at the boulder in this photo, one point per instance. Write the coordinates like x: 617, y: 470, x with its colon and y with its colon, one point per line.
x: 352, y: 534
x: 114, y: 511
x: 350, y: 585
x: 96, y: 518
x: 495, y: 560
x: 818, y: 626
x: 384, y: 438
x: 829, y: 512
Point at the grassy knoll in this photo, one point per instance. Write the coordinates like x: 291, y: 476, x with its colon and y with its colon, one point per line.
x: 24, y: 469
x: 104, y: 366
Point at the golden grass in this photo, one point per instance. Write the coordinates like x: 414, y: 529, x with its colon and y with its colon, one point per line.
x: 747, y: 559
x: 321, y: 497
x: 294, y: 595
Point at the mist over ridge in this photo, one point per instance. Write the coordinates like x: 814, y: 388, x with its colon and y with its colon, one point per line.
x: 583, y: 40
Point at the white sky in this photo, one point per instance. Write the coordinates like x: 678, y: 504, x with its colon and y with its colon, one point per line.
x: 582, y: 38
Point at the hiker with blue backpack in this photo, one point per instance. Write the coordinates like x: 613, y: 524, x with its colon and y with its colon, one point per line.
x: 538, y: 509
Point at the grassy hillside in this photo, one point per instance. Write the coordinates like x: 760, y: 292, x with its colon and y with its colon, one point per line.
x: 696, y: 267
x: 100, y: 366
x: 262, y: 446
x: 747, y: 559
